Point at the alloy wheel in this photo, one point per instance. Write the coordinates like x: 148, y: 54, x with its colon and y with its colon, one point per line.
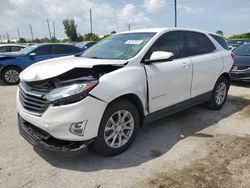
x: 221, y: 92
x: 119, y: 129
x: 11, y: 76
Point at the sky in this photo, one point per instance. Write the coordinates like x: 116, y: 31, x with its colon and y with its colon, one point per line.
x: 230, y: 16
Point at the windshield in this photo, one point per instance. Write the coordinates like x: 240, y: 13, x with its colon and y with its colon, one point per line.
x: 243, y: 50
x: 81, y: 44
x: 26, y: 50
x: 120, y: 46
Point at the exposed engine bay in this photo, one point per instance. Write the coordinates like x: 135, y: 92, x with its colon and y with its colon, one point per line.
x: 75, y: 75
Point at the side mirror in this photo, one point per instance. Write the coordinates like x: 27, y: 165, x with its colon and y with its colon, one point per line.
x: 159, y: 56
x: 32, y: 54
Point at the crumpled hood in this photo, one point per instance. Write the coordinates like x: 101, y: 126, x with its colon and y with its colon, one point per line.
x: 54, y: 67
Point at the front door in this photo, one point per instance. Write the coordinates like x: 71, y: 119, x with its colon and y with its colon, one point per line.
x: 169, y: 82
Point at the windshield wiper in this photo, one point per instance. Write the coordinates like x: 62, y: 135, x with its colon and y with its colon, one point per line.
x: 94, y: 57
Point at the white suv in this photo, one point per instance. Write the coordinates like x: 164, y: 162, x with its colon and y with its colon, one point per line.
x: 102, y: 97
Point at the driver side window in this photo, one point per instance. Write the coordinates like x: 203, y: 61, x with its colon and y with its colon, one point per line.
x: 44, y: 50
x: 169, y: 42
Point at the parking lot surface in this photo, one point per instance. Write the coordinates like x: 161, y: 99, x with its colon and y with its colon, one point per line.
x: 193, y: 148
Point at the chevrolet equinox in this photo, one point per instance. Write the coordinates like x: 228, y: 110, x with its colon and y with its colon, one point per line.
x: 100, y: 98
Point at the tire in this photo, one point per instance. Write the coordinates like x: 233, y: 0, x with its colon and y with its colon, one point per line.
x: 219, y: 94
x: 107, y: 130
x: 10, y: 75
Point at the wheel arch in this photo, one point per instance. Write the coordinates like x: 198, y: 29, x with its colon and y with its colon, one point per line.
x: 135, y: 100
x: 226, y: 75
x: 8, y: 66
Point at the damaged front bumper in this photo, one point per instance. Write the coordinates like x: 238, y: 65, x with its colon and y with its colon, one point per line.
x: 40, y: 138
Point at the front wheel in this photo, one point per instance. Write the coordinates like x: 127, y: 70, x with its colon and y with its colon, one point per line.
x: 10, y: 75
x: 219, y: 94
x: 117, y: 129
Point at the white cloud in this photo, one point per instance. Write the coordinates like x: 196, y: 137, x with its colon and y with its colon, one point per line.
x: 151, y: 5
x: 187, y: 9
x: 21, y: 13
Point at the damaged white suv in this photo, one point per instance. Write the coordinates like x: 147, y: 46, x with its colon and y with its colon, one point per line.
x: 102, y: 97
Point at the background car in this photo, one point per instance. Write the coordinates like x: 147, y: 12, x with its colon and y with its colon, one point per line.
x: 11, y: 48
x: 236, y: 43
x: 241, y: 67
x: 85, y: 45
x: 11, y: 64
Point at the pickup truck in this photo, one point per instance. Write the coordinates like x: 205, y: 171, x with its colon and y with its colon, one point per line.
x: 101, y: 98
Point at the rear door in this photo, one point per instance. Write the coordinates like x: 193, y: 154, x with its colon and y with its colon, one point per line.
x: 169, y: 82
x: 206, y: 60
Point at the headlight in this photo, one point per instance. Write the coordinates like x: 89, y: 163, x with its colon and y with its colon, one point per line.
x: 71, y: 93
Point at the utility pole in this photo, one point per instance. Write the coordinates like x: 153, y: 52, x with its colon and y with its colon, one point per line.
x: 49, y: 28
x: 31, y: 32
x: 7, y: 36
x: 18, y: 33
x: 129, y: 26
x: 91, y: 26
x: 175, y: 13
x: 54, y: 29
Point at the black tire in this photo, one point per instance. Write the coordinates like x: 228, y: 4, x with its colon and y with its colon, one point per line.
x: 6, y: 75
x: 99, y: 145
x: 213, y: 104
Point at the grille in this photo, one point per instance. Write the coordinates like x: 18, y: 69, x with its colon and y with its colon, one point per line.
x: 32, y: 99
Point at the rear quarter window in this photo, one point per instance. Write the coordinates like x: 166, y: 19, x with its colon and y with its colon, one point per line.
x: 198, y: 43
x: 221, y: 41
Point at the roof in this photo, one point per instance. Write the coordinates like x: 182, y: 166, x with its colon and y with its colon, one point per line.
x: 160, y: 30
x: 12, y: 45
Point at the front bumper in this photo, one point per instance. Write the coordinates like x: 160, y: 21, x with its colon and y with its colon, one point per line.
x: 57, y: 120
x: 40, y: 138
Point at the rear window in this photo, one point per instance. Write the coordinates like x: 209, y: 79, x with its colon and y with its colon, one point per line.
x: 198, y: 44
x: 221, y: 41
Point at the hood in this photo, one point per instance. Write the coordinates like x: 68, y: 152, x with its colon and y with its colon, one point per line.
x: 57, y: 66
x: 242, y: 60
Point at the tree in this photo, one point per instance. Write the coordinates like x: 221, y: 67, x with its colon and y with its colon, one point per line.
x: 219, y: 32
x: 70, y: 29
x: 240, y: 36
x: 22, y: 40
x: 91, y: 36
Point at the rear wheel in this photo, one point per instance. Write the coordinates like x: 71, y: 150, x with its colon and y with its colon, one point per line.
x: 219, y: 94
x: 118, y: 128
x: 10, y: 75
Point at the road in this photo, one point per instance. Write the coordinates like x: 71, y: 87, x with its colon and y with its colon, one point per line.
x: 193, y: 148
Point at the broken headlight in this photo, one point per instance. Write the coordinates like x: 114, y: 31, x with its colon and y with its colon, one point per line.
x: 70, y: 94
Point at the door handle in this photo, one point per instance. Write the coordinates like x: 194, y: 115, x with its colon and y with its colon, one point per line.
x: 185, y: 65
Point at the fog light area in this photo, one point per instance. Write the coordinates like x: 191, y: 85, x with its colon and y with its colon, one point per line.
x: 78, y: 128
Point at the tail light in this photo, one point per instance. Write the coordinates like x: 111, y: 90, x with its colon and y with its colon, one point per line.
x: 232, y: 55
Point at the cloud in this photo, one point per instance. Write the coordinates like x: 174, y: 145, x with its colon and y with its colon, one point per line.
x: 151, y: 5
x: 106, y: 17
x: 187, y: 9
